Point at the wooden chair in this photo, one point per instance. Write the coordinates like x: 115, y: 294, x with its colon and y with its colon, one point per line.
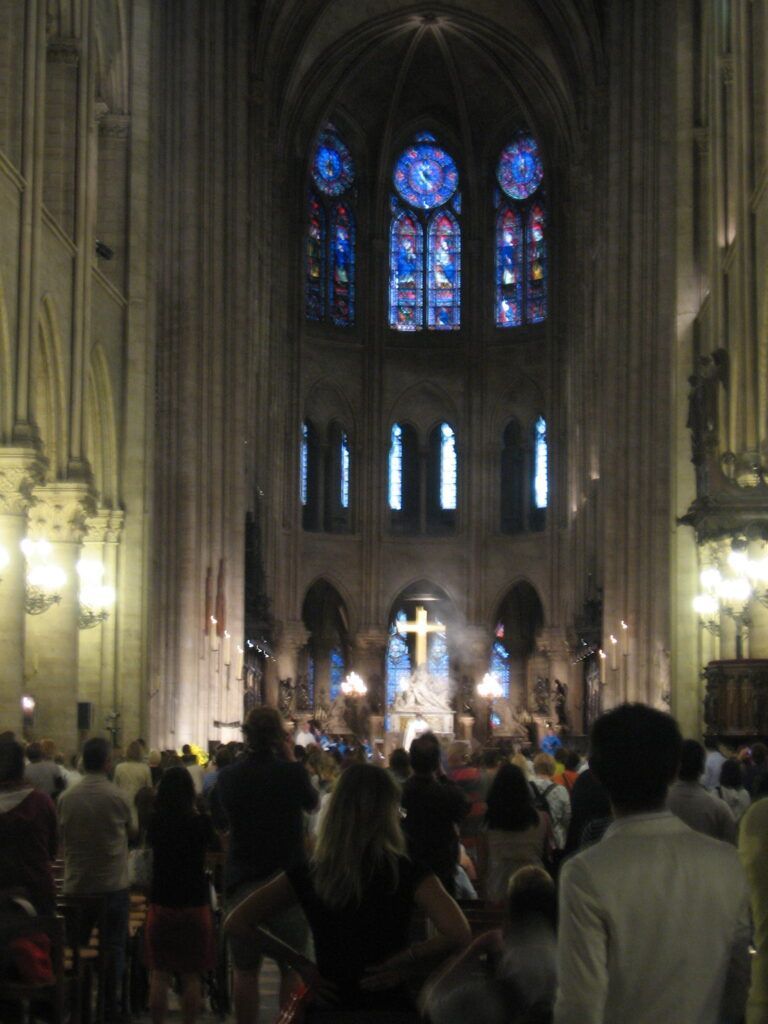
x: 53, y: 994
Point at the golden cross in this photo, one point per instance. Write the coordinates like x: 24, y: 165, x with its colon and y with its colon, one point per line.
x: 421, y: 628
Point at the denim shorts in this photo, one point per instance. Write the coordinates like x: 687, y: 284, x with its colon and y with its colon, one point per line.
x: 290, y: 926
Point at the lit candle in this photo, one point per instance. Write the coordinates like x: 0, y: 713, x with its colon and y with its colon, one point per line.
x: 614, y: 653
x: 227, y: 648
x: 624, y: 638
x: 603, y: 657
x: 214, y: 634
x: 239, y: 663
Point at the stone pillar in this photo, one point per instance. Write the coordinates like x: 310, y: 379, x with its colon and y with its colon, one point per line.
x: 292, y: 637
x: 369, y: 649
x: 474, y: 656
x: 59, y: 515
x: 18, y: 472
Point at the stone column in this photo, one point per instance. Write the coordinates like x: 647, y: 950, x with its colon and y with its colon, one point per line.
x: 292, y: 637
x: 369, y: 649
x: 18, y: 472
x: 474, y: 658
x: 59, y: 516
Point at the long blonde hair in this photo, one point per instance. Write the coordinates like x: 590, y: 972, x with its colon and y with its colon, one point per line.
x: 359, y: 835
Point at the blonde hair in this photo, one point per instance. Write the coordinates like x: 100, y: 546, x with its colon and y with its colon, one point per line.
x: 359, y: 835
x: 521, y: 762
x: 544, y: 764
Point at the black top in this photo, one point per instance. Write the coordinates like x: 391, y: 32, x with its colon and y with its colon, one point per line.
x: 260, y: 799
x: 178, y: 859
x: 433, y: 811
x: 348, y: 941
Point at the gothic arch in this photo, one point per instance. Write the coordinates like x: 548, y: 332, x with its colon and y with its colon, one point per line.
x: 523, y: 400
x: 48, y: 397
x: 425, y: 405
x: 521, y: 584
x: 340, y: 589
x: 325, y: 404
x: 100, y: 433
x: 409, y: 590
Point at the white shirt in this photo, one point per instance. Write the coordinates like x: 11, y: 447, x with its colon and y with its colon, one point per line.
x: 654, y: 928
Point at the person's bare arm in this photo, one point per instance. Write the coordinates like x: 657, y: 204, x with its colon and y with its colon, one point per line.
x: 455, y: 971
x: 453, y: 932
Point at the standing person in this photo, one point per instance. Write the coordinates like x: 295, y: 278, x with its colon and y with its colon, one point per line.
x: 359, y: 893
x: 516, y: 834
x: 695, y: 805
x: 133, y: 775
x: 195, y: 769
x: 630, y: 904
x: 557, y: 800
x: 731, y: 788
x: 95, y: 822
x: 261, y: 799
x: 433, y: 812
x: 179, y: 936
x: 713, y: 762
x: 42, y: 772
x: 753, y: 850
x: 28, y: 832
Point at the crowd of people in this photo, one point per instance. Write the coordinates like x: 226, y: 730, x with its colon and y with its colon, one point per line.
x: 629, y: 885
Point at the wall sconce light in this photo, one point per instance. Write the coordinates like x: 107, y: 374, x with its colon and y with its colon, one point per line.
x: 96, y: 600
x: 728, y: 587
x: 44, y: 581
x: 28, y: 705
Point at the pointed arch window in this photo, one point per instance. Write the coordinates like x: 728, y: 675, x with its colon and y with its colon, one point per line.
x: 403, y: 485
x: 331, y: 230
x: 438, y: 662
x: 448, y: 468
x: 398, y: 669
x: 540, y: 476
x: 522, y: 264
x: 310, y: 477
x: 499, y: 665
x: 344, y: 481
x: 396, y: 468
x: 427, y: 205
x: 337, y: 480
x: 337, y: 671
x: 442, y: 479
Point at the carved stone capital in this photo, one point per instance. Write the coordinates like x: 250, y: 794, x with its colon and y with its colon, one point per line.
x: 115, y: 126
x: 60, y: 512
x: 64, y: 51
x: 21, y: 470
x: 104, y: 527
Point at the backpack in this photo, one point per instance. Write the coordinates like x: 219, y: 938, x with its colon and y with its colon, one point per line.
x: 540, y: 797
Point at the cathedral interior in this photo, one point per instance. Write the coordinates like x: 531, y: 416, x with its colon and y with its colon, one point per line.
x: 315, y: 313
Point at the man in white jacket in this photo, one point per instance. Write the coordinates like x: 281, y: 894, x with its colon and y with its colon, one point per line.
x: 654, y: 919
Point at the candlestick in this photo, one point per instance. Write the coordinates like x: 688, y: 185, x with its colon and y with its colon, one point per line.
x: 227, y: 648
x: 214, y: 634
x: 603, y: 657
x: 614, y: 653
x: 624, y: 638
x: 239, y: 663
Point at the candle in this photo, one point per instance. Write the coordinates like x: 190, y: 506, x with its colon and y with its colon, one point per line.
x: 614, y: 653
x: 624, y: 638
x: 227, y: 648
x: 602, y: 656
x: 239, y: 663
x: 214, y: 635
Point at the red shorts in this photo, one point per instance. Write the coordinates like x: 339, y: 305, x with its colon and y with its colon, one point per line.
x: 180, y: 940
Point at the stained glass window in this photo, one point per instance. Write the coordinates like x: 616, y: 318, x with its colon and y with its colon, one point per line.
x: 398, y: 660
x: 315, y: 265
x: 406, y: 273
x: 448, y: 467
x: 500, y: 666
x: 519, y: 171
x: 438, y: 662
x: 330, y: 259
x: 396, y: 468
x: 540, y: 482
x: 311, y: 679
x: 509, y: 268
x: 444, y: 270
x: 536, y: 264
x: 521, y: 246
x: 304, y: 463
x: 342, y: 273
x: 344, y: 474
x: 338, y: 671
x: 425, y: 176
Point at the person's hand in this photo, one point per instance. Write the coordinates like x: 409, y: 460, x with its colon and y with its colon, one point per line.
x: 387, y: 974
x: 323, y: 991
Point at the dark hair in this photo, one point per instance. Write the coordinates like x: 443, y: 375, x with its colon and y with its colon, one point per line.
x: 571, y: 760
x: 425, y: 753
x: 490, y: 757
x: 730, y: 774
x: 264, y: 729
x: 532, y: 894
x: 635, y: 752
x: 175, y: 794
x: 35, y: 752
x: 510, y: 801
x: 11, y: 761
x: 223, y: 757
x: 760, y: 785
x: 96, y: 753
x: 710, y: 742
x: 691, y: 760
x: 399, y: 761
x: 759, y: 753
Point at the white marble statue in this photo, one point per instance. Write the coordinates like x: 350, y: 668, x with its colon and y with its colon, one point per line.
x: 424, y: 692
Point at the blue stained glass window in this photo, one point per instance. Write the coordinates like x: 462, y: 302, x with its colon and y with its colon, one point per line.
x: 311, y: 680
x: 448, y: 467
x: 406, y: 273
x: 304, y: 463
x: 438, y: 664
x: 396, y: 469
x: 342, y: 270
x: 338, y: 671
x: 540, y: 482
x: 519, y: 171
x: 536, y: 261
x: 500, y: 666
x: 315, y: 259
x: 344, y: 466
x: 509, y: 268
x: 398, y: 660
x: 425, y: 176
x: 332, y: 169
x: 444, y: 273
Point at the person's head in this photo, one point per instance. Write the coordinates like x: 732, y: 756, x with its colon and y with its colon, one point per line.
x: 489, y: 758
x: 265, y: 730
x: 134, y: 751
x: 11, y: 762
x: 730, y: 774
x: 425, y: 754
x: 154, y: 759
x: 175, y: 794
x: 360, y: 832
x: 571, y: 760
x: 186, y: 750
x: 544, y: 765
x: 759, y: 754
x: 531, y: 898
x: 47, y: 749
x: 691, y: 761
x: 510, y: 801
x: 400, y: 763
x: 34, y: 753
x: 97, y: 755
x: 457, y: 754
x: 521, y: 762
x: 635, y: 752
x: 299, y: 753
x: 223, y: 757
